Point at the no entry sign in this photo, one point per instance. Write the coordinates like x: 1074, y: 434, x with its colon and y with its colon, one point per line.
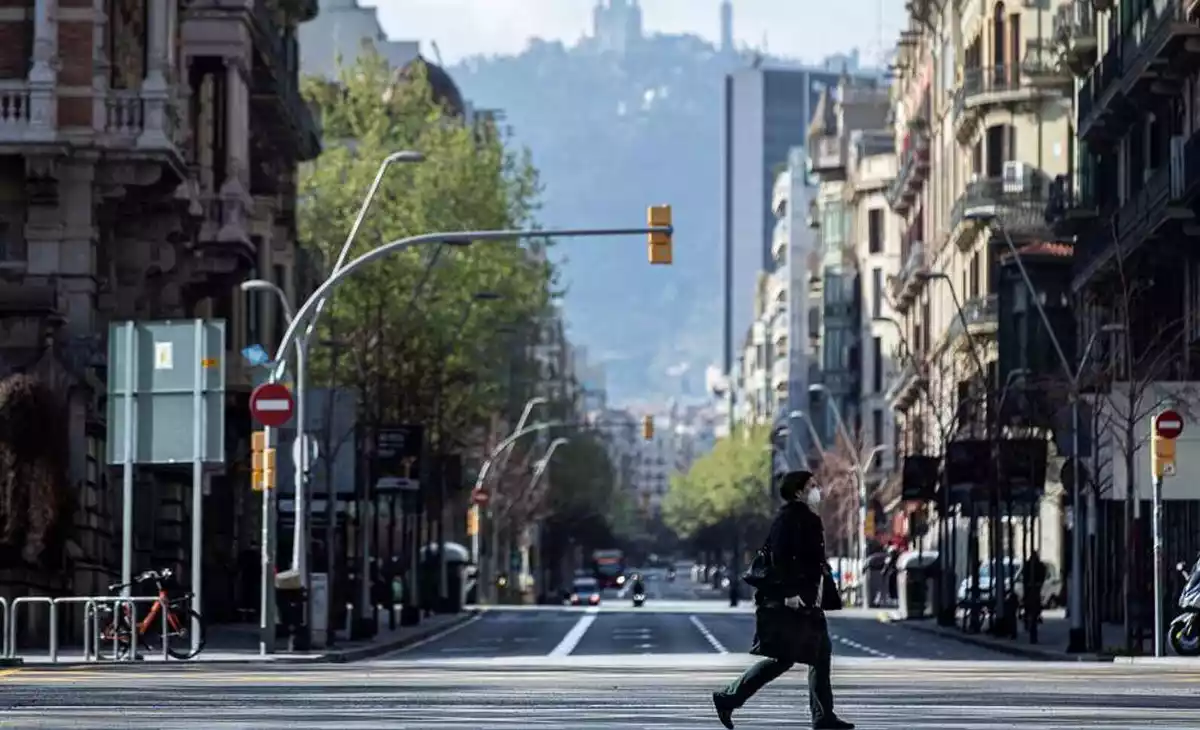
x: 1168, y: 424
x: 271, y: 405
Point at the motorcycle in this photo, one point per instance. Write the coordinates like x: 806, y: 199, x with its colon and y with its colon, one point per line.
x: 638, y: 599
x: 1184, y: 632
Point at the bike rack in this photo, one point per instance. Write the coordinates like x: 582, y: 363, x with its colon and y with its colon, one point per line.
x: 13, y: 613
x: 3, y: 627
x: 91, y: 622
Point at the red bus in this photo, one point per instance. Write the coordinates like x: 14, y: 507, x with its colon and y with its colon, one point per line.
x: 609, y: 568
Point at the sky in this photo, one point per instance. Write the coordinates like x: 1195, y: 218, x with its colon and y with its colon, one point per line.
x: 808, y: 30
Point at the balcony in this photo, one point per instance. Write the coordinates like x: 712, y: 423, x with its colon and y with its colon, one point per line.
x: 780, y: 238
x: 780, y: 374
x: 978, y: 319
x: 1159, y: 210
x: 1017, y: 200
x: 913, y: 171
x: 982, y: 88
x: 1161, y: 49
x: 1045, y: 68
x: 906, y: 385
x: 828, y: 157
x: 1068, y: 211
x: 907, y: 283
x: 277, y: 83
x: 1074, y: 33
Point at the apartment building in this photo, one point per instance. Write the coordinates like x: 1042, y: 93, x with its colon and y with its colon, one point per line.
x: 981, y: 117
x: 847, y: 128
x: 150, y: 160
x: 1129, y: 202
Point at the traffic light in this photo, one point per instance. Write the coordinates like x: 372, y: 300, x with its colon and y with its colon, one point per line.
x: 659, y: 242
x: 647, y: 427
x: 262, y: 463
x: 473, y: 521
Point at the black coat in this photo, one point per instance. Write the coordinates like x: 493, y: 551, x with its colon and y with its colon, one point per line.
x: 797, y: 546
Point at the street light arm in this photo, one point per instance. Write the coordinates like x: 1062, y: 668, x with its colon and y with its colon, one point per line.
x: 841, y: 424
x: 962, y: 319
x: 516, y: 435
x: 310, y: 311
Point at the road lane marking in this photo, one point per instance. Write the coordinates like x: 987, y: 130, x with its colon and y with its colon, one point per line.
x: 575, y: 635
x: 708, y: 635
x: 859, y: 647
x: 440, y: 635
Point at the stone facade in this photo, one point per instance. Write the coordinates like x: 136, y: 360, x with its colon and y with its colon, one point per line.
x: 149, y: 153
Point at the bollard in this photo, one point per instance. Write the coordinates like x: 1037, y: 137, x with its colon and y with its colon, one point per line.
x: 349, y: 619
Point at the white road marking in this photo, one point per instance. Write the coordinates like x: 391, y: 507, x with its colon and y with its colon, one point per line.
x: 859, y: 647
x: 708, y: 635
x: 575, y: 635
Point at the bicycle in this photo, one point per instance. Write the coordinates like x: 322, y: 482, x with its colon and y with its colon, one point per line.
x: 179, y: 619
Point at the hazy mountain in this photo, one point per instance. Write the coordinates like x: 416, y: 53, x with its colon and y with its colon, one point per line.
x: 611, y: 134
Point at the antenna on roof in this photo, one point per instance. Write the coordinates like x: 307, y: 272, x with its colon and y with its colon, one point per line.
x: 437, y: 54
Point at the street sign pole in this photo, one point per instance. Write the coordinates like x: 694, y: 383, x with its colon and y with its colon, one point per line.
x: 266, y: 614
x: 198, y: 431
x: 131, y: 375
x: 1166, y: 427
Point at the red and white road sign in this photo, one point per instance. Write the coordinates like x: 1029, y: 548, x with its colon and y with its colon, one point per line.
x: 271, y: 404
x: 479, y: 497
x: 1168, y: 424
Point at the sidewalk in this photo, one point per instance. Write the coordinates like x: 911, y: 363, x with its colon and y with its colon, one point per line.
x: 238, y: 643
x: 1052, y: 638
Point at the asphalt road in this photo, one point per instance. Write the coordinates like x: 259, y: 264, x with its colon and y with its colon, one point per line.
x: 598, y: 693
x: 667, y: 627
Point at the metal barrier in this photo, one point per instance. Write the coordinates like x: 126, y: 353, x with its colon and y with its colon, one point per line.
x: 91, y: 623
x: 14, y: 613
x: 3, y: 627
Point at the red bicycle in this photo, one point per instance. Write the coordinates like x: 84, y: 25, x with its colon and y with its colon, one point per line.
x: 180, y: 619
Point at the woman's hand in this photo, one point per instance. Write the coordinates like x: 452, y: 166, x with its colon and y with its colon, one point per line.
x: 793, y: 602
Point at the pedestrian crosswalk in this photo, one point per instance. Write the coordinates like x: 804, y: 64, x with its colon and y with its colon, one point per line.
x: 592, y: 695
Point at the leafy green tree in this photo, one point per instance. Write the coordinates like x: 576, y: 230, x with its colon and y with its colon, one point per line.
x: 409, y: 334
x: 729, y: 486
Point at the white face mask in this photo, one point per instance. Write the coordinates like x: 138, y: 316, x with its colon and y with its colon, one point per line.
x: 813, y: 497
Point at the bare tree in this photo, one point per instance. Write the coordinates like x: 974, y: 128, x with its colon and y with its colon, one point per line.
x: 1129, y: 390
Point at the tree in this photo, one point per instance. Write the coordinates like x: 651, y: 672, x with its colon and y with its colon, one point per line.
x: 414, y: 354
x: 837, y: 473
x: 730, y: 485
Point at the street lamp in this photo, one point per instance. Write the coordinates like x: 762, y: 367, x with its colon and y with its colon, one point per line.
x: 267, y: 601
x: 812, y: 431
x: 300, y: 498
x: 1077, y: 638
x: 860, y: 474
x: 443, y: 561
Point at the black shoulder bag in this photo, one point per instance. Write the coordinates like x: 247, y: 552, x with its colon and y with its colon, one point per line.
x: 761, y: 572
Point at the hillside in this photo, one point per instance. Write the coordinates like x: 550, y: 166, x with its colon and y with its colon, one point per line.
x: 612, y: 135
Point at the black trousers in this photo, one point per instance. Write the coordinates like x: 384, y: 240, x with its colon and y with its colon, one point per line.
x: 820, y: 691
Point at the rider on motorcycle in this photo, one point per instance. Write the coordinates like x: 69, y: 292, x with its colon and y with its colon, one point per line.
x: 638, y: 588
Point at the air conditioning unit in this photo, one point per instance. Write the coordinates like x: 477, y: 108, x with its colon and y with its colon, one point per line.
x: 1012, y: 179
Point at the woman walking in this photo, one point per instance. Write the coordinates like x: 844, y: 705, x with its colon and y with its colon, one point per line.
x: 794, y: 587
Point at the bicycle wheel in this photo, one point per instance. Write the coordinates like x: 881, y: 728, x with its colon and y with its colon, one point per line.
x: 117, y: 629
x: 179, y: 636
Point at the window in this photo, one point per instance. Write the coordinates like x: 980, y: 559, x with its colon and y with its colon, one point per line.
x: 877, y: 427
x: 876, y: 292
x: 877, y: 365
x: 875, y: 230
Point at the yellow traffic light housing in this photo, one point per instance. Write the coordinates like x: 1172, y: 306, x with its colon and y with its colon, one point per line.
x: 658, y: 245
x: 473, y: 521
x: 648, y: 427
x: 262, y: 463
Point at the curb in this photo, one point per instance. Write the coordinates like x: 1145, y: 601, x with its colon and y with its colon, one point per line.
x: 416, y: 637
x: 1018, y: 650
x: 332, y: 657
